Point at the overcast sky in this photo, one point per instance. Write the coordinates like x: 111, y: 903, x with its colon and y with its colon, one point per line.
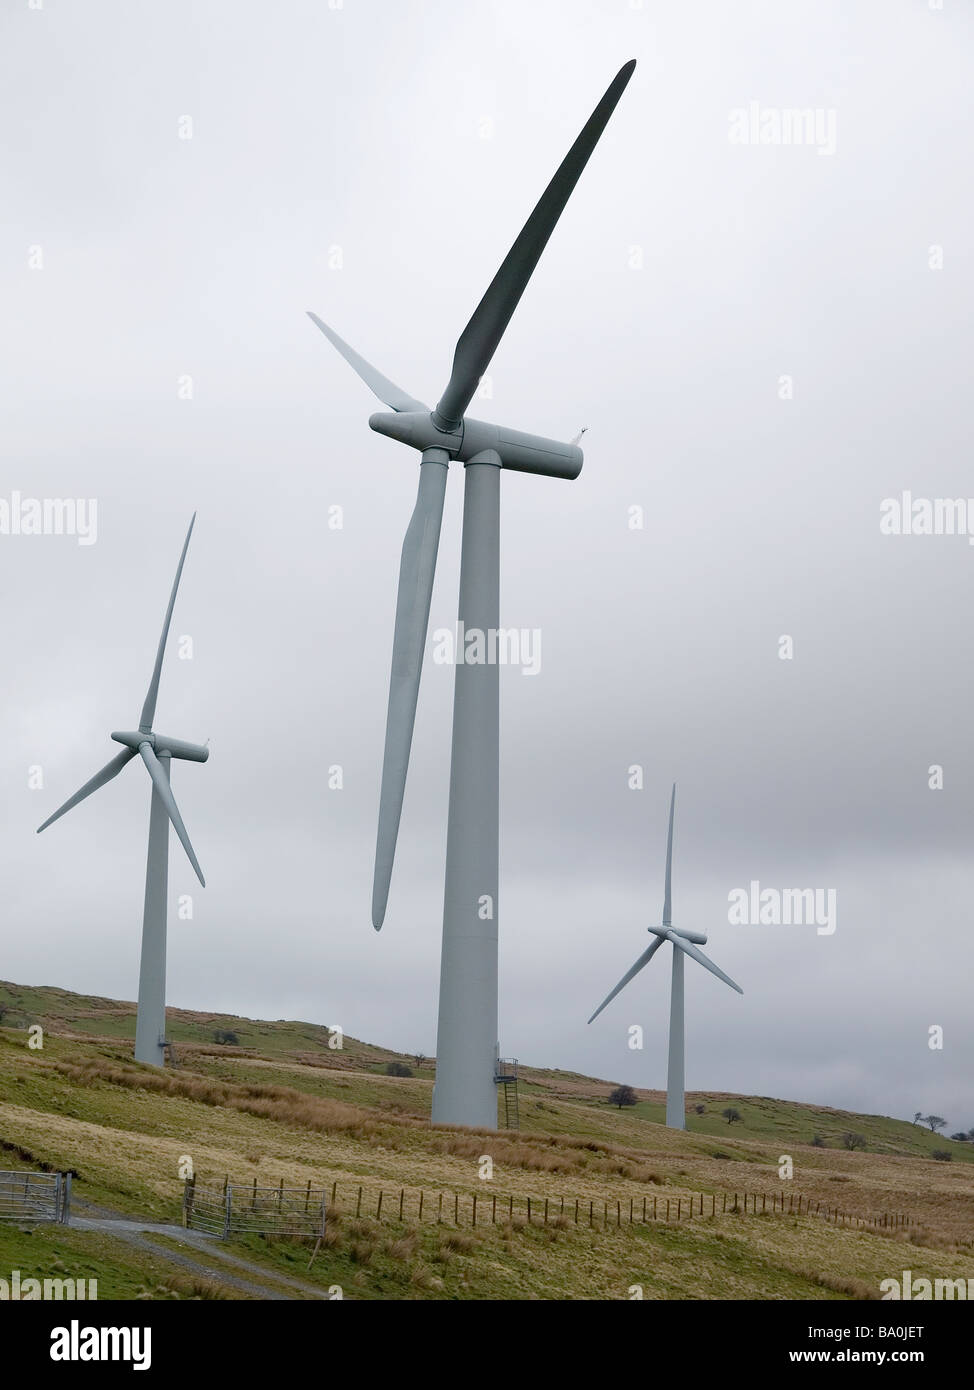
x: 373, y: 161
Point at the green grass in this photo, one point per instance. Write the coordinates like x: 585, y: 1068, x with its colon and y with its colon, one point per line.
x: 288, y: 1106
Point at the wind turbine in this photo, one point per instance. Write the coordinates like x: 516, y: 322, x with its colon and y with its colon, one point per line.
x: 466, y: 1046
x: 680, y: 939
x: 156, y: 751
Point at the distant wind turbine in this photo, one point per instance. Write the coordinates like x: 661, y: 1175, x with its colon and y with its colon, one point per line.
x: 680, y: 940
x: 156, y: 751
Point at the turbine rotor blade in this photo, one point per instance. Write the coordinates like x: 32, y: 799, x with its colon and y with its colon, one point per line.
x: 667, y: 904
x: 149, y: 708
x: 161, y: 783
x: 416, y: 570
x: 387, y: 391
x: 701, y: 959
x: 109, y: 771
x: 479, y: 339
x: 644, y: 959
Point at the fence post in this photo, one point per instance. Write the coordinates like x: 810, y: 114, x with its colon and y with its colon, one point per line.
x: 66, y: 1209
x: 546, y: 1211
x: 420, y: 1205
x: 493, y: 1211
x: 456, y: 1209
x: 576, y: 1211
x: 334, y: 1187
x: 667, y: 1208
x: 227, y: 1201
x: 358, y: 1204
x: 307, y: 1195
x: 644, y: 1210
x: 474, y: 1209
x: 654, y: 1208
x: 378, y: 1209
x: 188, y: 1193
x: 439, y: 1211
x: 402, y: 1198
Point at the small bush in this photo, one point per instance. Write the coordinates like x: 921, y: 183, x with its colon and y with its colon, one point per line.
x: 942, y: 1155
x: 398, y: 1069
x: 622, y: 1095
x: 853, y: 1141
x: 818, y: 1142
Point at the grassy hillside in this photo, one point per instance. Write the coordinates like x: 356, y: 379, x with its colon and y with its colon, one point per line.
x: 280, y: 1103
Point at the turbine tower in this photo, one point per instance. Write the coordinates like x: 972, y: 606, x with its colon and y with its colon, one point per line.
x: 680, y: 940
x: 466, y: 1045
x: 156, y: 751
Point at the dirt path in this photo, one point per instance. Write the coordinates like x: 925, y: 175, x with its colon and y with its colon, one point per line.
x: 134, y: 1233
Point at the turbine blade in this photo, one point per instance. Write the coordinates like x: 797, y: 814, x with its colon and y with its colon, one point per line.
x: 479, y: 339
x: 416, y: 571
x: 387, y: 391
x: 667, y: 904
x: 703, y: 960
x: 161, y: 783
x: 109, y: 771
x: 149, y: 708
x: 644, y: 959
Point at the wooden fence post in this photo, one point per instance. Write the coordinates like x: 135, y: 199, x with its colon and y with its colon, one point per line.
x: 420, y: 1205
x: 378, y: 1208
x: 402, y: 1198
x: 358, y: 1205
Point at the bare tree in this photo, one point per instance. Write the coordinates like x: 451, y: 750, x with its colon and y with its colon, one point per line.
x: 935, y: 1122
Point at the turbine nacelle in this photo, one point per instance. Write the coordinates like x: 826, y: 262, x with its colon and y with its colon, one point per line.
x: 162, y: 743
x: 524, y: 453
x: 700, y: 938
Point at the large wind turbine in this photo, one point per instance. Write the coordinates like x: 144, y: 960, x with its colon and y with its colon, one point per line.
x: 156, y: 751
x: 466, y: 1045
x: 680, y: 940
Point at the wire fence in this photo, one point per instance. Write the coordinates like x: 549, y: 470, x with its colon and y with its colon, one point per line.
x: 411, y: 1205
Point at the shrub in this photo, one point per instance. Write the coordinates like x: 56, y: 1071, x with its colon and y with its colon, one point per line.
x: 223, y: 1035
x: 731, y: 1115
x: 398, y: 1069
x: 853, y: 1141
x: 942, y: 1155
x: 622, y: 1095
x: 818, y: 1142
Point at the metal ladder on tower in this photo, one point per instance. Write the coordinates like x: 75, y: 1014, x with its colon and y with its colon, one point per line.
x: 505, y: 1074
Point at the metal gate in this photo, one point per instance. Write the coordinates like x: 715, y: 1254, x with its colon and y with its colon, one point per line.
x: 35, y: 1196
x: 245, y: 1208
